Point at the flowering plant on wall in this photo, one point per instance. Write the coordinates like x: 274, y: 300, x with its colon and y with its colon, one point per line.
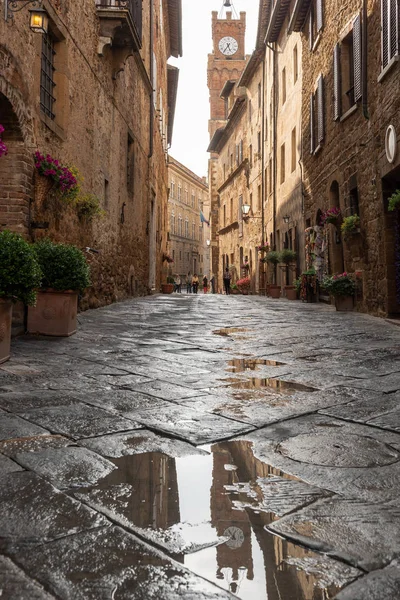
x: 243, y: 284
x: 331, y: 215
x: 263, y: 247
x: 62, y: 176
x: 394, y: 200
x: 3, y: 147
x: 351, y: 225
x: 340, y: 285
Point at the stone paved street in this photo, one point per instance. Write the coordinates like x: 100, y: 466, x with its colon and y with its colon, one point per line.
x: 203, y: 447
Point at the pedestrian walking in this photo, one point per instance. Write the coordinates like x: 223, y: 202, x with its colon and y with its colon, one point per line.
x: 212, y: 281
x: 227, y: 281
x: 178, y: 284
x: 188, y: 283
x: 195, y: 283
x: 205, y: 284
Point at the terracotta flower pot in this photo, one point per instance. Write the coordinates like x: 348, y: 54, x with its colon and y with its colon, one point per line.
x: 344, y: 303
x: 167, y: 288
x: 291, y: 292
x: 275, y: 291
x: 54, y: 313
x: 5, y: 329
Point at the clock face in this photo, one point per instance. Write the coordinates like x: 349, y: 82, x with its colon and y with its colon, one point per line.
x: 236, y: 537
x: 228, y: 45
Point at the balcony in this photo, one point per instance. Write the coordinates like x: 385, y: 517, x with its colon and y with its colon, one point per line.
x: 120, y: 24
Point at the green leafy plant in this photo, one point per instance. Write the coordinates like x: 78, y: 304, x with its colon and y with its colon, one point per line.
x: 287, y: 256
x: 297, y: 284
x: 340, y: 285
x: 170, y: 279
x: 350, y: 224
x: 20, y: 272
x: 64, y: 266
x: 394, y: 201
x: 272, y: 257
x: 88, y: 206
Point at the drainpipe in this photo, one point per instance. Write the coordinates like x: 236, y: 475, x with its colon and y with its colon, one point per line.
x: 365, y: 60
x: 274, y: 154
x: 263, y: 154
x: 151, y: 42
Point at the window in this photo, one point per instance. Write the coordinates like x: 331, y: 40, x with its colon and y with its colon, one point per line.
x: 231, y: 161
x: 259, y: 142
x: 224, y: 171
x: 186, y: 228
x: 173, y: 223
x: 193, y: 199
x: 259, y: 197
x: 179, y: 191
x: 390, y: 31
x: 180, y: 254
x: 231, y: 211
x: 317, y: 117
x: 180, y: 225
x: 224, y: 217
x: 294, y: 149
x: 347, y: 85
x: 130, y: 164
x: 200, y: 233
x: 241, y: 151
x: 282, y: 163
x: 250, y: 110
x: 251, y: 202
x: 284, y: 85
x: 186, y: 196
x: 259, y: 95
x: 173, y: 254
x: 240, y: 215
x: 316, y: 22
x: 295, y: 64
x: 106, y: 192
x: 47, y: 75
x: 251, y: 154
x: 193, y: 231
x: 172, y: 190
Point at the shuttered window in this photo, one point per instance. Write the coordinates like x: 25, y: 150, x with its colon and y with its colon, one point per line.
x: 317, y: 116
x: 316, y: 21
x: 347, y: 71
x: 390, y: 30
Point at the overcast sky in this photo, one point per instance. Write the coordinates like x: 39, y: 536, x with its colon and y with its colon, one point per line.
x: 190, y: 136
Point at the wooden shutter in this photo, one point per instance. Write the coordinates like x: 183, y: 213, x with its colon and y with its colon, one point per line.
x: 319, y: 15
x: 312, y: 125
x: 357, y: 58
x: 320, y: 110
x: 385, y: 32
x: 393, y: 28
x: 310, y: 28
x: 241, y: 151
x: 237, y: 153
x: 337, y: 88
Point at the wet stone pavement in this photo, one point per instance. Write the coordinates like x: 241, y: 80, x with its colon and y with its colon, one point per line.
x: 203, y: 448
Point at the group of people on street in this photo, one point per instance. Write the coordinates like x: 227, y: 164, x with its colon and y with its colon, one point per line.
x: 192, y: 284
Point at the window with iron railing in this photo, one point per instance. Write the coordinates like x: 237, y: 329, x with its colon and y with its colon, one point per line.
x: 47, y: 76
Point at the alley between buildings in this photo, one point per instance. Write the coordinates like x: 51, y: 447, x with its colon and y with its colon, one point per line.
x: 202, y: 447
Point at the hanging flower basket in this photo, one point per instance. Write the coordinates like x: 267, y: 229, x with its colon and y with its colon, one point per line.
x: 3, y: 147
x: 331, y: 215
x: 263, y: 248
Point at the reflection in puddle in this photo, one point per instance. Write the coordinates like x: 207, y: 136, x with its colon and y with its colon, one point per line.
x: 285, y: 387
x: 239, y: 365
x: 191, y: 507
x: 229, y: 331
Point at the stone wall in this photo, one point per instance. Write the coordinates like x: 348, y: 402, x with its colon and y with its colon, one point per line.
x: 103, y: 127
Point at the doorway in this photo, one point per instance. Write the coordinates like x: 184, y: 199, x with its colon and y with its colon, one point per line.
x: 152, y: 243
x: 391, y: 243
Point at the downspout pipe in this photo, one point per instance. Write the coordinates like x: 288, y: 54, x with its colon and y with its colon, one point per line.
x: 151, y: 42
x: 365, y: 59
x: 263, y: 155
x: 274, y: 153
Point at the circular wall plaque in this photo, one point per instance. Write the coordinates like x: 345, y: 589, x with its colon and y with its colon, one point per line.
x: 391, y: 143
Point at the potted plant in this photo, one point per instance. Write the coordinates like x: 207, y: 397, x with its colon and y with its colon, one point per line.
x: 168, y: 288
x: 394, y: 201
x: 350, y: 225
x: 65, y: 273
x: 234, y: 289
x: 287, y: 256
x: 331, y: 215
x: 243, y: 285
x: 272, y: 258
x: 343, y: 288
x: 20, y: 274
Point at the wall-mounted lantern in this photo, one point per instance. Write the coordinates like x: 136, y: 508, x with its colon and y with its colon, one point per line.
x: 38, y: 18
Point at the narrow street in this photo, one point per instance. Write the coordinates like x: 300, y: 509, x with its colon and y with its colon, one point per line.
x: 203, y: 447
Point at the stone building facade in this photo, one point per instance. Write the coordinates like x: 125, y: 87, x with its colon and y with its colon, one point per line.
x: 96, y: 93
x: 351, y: 155
x: 283, y: 140
x: 188, y: 233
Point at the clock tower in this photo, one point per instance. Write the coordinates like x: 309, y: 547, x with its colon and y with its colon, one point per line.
x: 226, y: 62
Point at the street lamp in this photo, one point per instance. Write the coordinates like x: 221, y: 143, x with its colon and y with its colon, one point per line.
x: 38, y: 19
x: 208, y: 242
x: 246, y: 211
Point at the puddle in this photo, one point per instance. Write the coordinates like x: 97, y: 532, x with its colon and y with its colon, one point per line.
x: 240, y: 365
x: 284, y: 387
x: 229, y: 331
x: 210, y: 512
